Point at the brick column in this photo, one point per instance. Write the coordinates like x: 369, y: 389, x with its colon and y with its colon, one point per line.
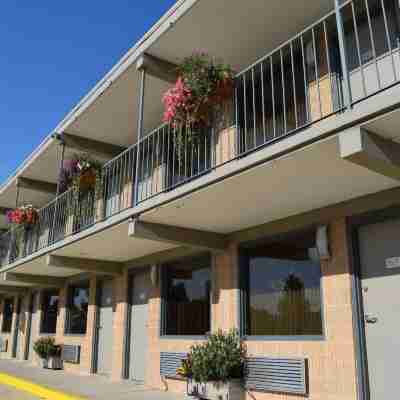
x: 13, y: 326
x: 35, y: 323
x: 339, y: 351
x: 24, y: 325
x: 153, y: 378
x: 225, y: 301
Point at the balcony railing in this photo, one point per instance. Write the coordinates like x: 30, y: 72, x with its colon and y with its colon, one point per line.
x: 299, y: 83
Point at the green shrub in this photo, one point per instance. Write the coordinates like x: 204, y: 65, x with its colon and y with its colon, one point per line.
x: 220, y: 358
x: 45, y: 347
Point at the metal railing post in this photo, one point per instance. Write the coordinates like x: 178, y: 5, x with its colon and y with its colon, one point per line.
x: 139, y: 133
x: 343, y: 58
x: 60, y: 171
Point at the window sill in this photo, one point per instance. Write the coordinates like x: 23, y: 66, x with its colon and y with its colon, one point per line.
x: 75, y: 334
x: 46, y: 334
x: 277, y: 338
x: 183, y: 337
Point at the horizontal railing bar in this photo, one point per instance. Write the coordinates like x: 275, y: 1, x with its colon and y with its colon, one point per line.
x: 127, y: 150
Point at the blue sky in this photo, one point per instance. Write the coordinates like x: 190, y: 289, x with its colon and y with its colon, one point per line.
x: 51, y: 54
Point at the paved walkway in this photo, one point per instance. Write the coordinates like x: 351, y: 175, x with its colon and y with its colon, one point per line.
x: 10, y: 393
x: 81, y: 387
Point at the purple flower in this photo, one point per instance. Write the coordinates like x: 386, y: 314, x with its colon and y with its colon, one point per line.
x: 70, y: 166
x: 10, y: 216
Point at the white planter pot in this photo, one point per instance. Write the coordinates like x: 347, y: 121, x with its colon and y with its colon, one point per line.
x: 51, y: 363
x: 55, y: 363
x: 231, y: 390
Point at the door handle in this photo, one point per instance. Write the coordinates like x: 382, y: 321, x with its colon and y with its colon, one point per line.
x: 370, y: 319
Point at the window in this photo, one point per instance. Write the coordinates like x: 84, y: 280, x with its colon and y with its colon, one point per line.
x: 282, y: 287
x: 186, y: 297
x: 77, y: 308
x: 49, y: 311
x: 7, y: 315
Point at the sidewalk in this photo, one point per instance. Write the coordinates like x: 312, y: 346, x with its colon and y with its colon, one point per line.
x: 83, y: 387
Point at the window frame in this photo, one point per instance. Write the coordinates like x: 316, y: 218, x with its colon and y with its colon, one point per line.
x: 163, y: 290
x: 41, y: 325
x: 12, y: 316
x: 244, y: 299
x: 70, y: 288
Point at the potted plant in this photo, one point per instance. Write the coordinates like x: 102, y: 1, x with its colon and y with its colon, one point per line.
x: 199, y: 96
x: 214, y: 369
x: 49, y: 353
x: 25, y: 215
x: 82, y: 173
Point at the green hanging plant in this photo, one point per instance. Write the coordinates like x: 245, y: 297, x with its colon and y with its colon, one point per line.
x: 203, y: 86
x: 81, y: 174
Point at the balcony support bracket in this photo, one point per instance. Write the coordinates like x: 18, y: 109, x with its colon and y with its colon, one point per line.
x: 38, y: 186
x: 162, y: 256
x: 36, y: 280
x: 371, y: 151
x: 83, y: 264
x: 91, y: 146
x: 178, y: 235
x: 13, y: 290
x: 158, y: 68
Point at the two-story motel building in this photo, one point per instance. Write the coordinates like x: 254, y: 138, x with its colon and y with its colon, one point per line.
x: 298, y: 182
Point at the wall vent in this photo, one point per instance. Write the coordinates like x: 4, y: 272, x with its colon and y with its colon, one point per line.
x: 71, y: 353
x: 276, y: 375
x: 169, y: 363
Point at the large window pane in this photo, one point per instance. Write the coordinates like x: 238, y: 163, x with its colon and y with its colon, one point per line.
x: 78, y: 302
x: 49, y: 311
x: 186, y: 296
x: 283, y: 287
x: 7, y: 315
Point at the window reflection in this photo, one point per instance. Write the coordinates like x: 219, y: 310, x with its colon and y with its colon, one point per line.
x: 283, y: 288
x: 78, y: 302
x: 187, y: 297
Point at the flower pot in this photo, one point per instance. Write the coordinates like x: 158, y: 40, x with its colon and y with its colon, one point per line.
x: 44, y: 363
x: 87, y: 180
x: 231, y: 390
x: 55, y: 363
x: 51, y: 363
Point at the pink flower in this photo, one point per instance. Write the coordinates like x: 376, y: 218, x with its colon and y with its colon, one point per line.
x: 175, y: 100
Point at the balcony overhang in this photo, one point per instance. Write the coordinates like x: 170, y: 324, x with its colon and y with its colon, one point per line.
x: 309, y: 178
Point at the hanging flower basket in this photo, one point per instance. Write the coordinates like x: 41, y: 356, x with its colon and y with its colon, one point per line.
x: 82, y: 173
x: 203, y: 86
x: 25, y: 215
x: 87, y: 180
